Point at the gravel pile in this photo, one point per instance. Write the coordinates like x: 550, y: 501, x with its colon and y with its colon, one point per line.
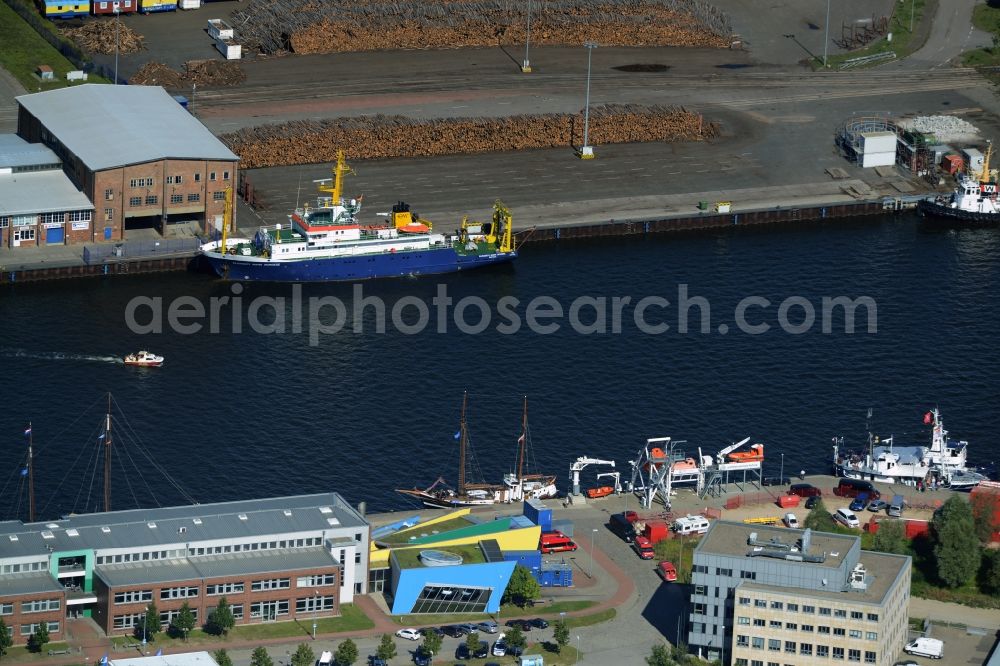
x: 944, y: 128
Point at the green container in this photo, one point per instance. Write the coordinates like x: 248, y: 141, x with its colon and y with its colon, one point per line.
x: 702, y: 205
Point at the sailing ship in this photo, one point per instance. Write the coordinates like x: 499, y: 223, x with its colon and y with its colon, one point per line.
x: 974, y: 200
x: 328, y: 242
x: 944, y: 461
x: 516, y: 486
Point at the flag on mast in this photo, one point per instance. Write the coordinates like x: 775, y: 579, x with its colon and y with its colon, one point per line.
x: 27, y: 431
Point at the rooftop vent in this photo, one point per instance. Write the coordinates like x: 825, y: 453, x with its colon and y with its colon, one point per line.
x: 72, y: 532
x: 806, y: 540
x: 325, y: 509
x: 287, y: 512
x: 858, y: 575
x: 106, y: 529
x: 196, y: 521
x: 243, y: 516
x: 13, y: 537
x: 182, y: 529
x: 151, y: 525
x: 48, y: 535
x: 53, y: 526
x: 332, y: 521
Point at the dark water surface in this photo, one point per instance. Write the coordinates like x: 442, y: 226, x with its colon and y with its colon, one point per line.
x: 234, y: 416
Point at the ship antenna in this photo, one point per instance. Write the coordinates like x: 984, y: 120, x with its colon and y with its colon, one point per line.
x: 523, y: 441
x: 298, y: 190
x: 107, y: 457
x: 31, y: 479
x: 461, y: 446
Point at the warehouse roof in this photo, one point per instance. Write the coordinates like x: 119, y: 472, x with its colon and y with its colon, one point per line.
x: 184, y: 525
x: 15, y: 152
x: 35, y: 192
x: 110, y: 126
x: 30, y: 583
x: 181, y: 659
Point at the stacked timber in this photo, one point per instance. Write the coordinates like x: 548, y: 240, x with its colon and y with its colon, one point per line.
x: 101, y: 37
x: 200, y: 72
x: 307, y: 26
x: 374, y: 137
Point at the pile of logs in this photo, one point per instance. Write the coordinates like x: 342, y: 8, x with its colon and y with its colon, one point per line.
x: 373, y: 137
x: 307, y: 26
x: 201, y: 72
x: 101, y: 37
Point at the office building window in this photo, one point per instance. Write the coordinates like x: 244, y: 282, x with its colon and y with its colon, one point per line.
x: 775, y: 624
x: 807, y: 627
x: 870, y: 657
x: 838, y: 653
x: 790, y: 647
x: 792, y: 608
x: 744, y: 601
x: 192, y: 198
x: 318, y: 580
x: 224, y: 588
x: 743, y: 620
x: 806, y: 649
x: 39, y: 605
x: 135, y: 201
x: 873, y: 617
x: 823, y: 651
x: 773, y: 644
x: 151, y: 200
x: 314, y: 604
x: 824, y: 611
x: 698, y: 609
x: 184, y: 592
x: 808, y: 609
x: 271, y: 584
x: 871, y: 635
x: 759, y: 622
x: 197, y: 178
x: 133, y: 597
x: 840, y: 612
x: 757, y: 643
x: 109, y: 214
x: 853, y: 655
x: 791, y: 625
x: 777, y: 605
x: 218, y: 196
x: 760, y: 603
x: 855, y: 633
x: 838, y: 631
x: 857, y: 615
x: 742, y: 662
x: 822, y: 630
x: 723, y: 572
x: 176, y: 198
x: 225, y: 175
x: 109, y: 195
x: 6, y: 609
x: 211, y: 175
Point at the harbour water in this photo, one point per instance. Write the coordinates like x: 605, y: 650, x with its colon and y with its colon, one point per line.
x: 241, y: 415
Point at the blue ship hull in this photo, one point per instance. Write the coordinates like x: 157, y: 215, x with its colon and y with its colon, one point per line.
x: 352, y: 269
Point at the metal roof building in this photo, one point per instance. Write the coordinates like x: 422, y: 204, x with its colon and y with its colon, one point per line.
x: 149, y: 125
x: 16, y: 154
x: 39, y: 193
x: 182, y: 659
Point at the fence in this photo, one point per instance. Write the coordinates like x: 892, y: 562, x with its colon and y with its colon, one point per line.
x: 146, y: 249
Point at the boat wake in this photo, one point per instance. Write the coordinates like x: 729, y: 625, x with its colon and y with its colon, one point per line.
x: 58, y: 356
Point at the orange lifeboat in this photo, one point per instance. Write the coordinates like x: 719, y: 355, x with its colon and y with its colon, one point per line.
x: 686, y: 464
x: 414, y: 228
x: 755, y: 454
x: 602, y: 491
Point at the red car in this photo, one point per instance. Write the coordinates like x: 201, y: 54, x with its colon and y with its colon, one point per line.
x: 667, y: 571
x: 643, y: 548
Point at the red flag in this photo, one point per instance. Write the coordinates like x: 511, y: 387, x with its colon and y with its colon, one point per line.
x: 928, y: 418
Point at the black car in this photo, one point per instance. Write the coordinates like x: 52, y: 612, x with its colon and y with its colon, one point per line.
x: 523, y: 625
x: 440, y: 631
x: 481, y: 652
x: 514, y: 651
x: 539, y: 623
x: 811, y: 502
x: 421, y: 659
x: 454, y: 631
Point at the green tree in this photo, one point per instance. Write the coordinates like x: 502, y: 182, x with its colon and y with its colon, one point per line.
x: 150, y: 623
x: 304, y: 656
x: 260, y: 657
x: 387, y: 647
x: 5, y: 640
x: 561, y: 634
x: 819, y: 519
x: 991, y: 578
x: 890, y: 538
x: 956, y: 547
x: 660, y: 656
x: 184, y: 621
x: 37, y: 640
x: 515, y: 638
x: 222, y: 657
x: 347, y: 653
x: 432, y: 643
x: 522, y: 587
x: 221, y: 619
x: 472, y: 642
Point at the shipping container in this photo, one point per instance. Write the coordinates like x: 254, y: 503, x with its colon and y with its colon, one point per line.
x: 952, y: 163
x: 886, y: 158
x: 148, y: 6
x: 531, y: 559
x: 219, y: 29
x: 65, y: 9
x: 787, y: 501
x: 189, y: 4
x: 114, y: 6
x: 656, y: 531
x: 538, y: 513
x: 878, y: 142
x: 973, y: 159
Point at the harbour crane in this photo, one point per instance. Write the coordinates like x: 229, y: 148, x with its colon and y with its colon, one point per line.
x: 617, y: 480
x: 581, y: 463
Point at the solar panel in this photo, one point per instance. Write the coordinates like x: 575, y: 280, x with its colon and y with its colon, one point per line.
x: 491, y: 550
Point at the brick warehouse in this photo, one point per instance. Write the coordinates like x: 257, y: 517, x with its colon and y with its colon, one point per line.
x: 273, y: 559
x: 135, y: 153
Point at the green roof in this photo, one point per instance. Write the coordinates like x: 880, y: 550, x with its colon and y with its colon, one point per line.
x: 409, y: 558
x: 433, y: 531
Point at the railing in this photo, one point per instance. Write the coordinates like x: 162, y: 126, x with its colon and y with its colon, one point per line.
x: 97, y: 254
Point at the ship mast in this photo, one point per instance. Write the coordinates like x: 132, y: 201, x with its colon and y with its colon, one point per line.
x: 523, y: 441
x: 31, y: 480
x: 985, y: 177
x: 107, y: 457
x: 461, y: 446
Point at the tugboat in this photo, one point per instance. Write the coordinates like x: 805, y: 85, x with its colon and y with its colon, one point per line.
x: 974, y: 202
x: 328, y: 242
x: 143, y: 359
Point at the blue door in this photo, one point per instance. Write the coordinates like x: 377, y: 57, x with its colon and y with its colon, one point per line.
x: 55, y: 236
x: 107, y: 233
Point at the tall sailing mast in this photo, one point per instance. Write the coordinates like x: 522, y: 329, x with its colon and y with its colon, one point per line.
x: 522, y: 441
x: 31, y: 479
x: 461, y: 446
x: 107, y: 457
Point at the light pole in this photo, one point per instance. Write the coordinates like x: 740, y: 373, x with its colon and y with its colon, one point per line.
x: 912, y: 5
x: 826, y: 38
x: 577, y: 660
x: 315, y: 609
x: 526, y: 67
x: 593, y: 533
x: 781, y: 474
x: 587, y: 152
x: 144, y: 633
x: 118, y: 23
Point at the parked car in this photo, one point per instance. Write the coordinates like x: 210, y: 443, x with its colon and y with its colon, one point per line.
x: 846, y: 518
x: 925, y: 647
x: 539, y: 623
x: 776, y: 481
x: 488, y: 627
x: 804, y: 490
x: 877, y: 505
x: 906, y: 663
x: 514, y: 650
x: 436, y: 630
x: 811, y: 501
x: 469, y: 628
x: 481, y: 652
x: 420, y: 658
x: 523, y: 625
x: 667, y: 571
x: 376, y: 661
x: 859, y: 503
x: 454, y: 630
x: 790, y: 521
x: 500, y: 647
x: 409, y: 634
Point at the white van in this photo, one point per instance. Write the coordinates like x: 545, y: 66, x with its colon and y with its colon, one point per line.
x: 325, y: 659
x: 846, y: 517
x: 791, y: 521
x: 926, y: 647
x: 691, y: 525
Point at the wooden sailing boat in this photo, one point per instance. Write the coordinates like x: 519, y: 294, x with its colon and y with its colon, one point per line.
x: 528, y: 486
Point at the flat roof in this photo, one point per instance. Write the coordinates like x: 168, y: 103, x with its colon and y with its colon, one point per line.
x: 36, y: 192
x: 186, y: 525
x: 109, y: 126
x: 409, y: 558
x: 215, y: 566
x: 29, y: 583
x: 182, y: 659
x: 730, y: 538
x: 16, y: 152
x: 881, y: 570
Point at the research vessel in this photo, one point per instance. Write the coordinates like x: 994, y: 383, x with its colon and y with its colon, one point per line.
x: 973, y: 202
x: 329, y: 242
x: 944, y: 461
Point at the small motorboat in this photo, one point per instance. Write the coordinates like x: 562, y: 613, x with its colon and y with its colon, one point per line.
x: 144, y: 359
x: 602, y: 491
